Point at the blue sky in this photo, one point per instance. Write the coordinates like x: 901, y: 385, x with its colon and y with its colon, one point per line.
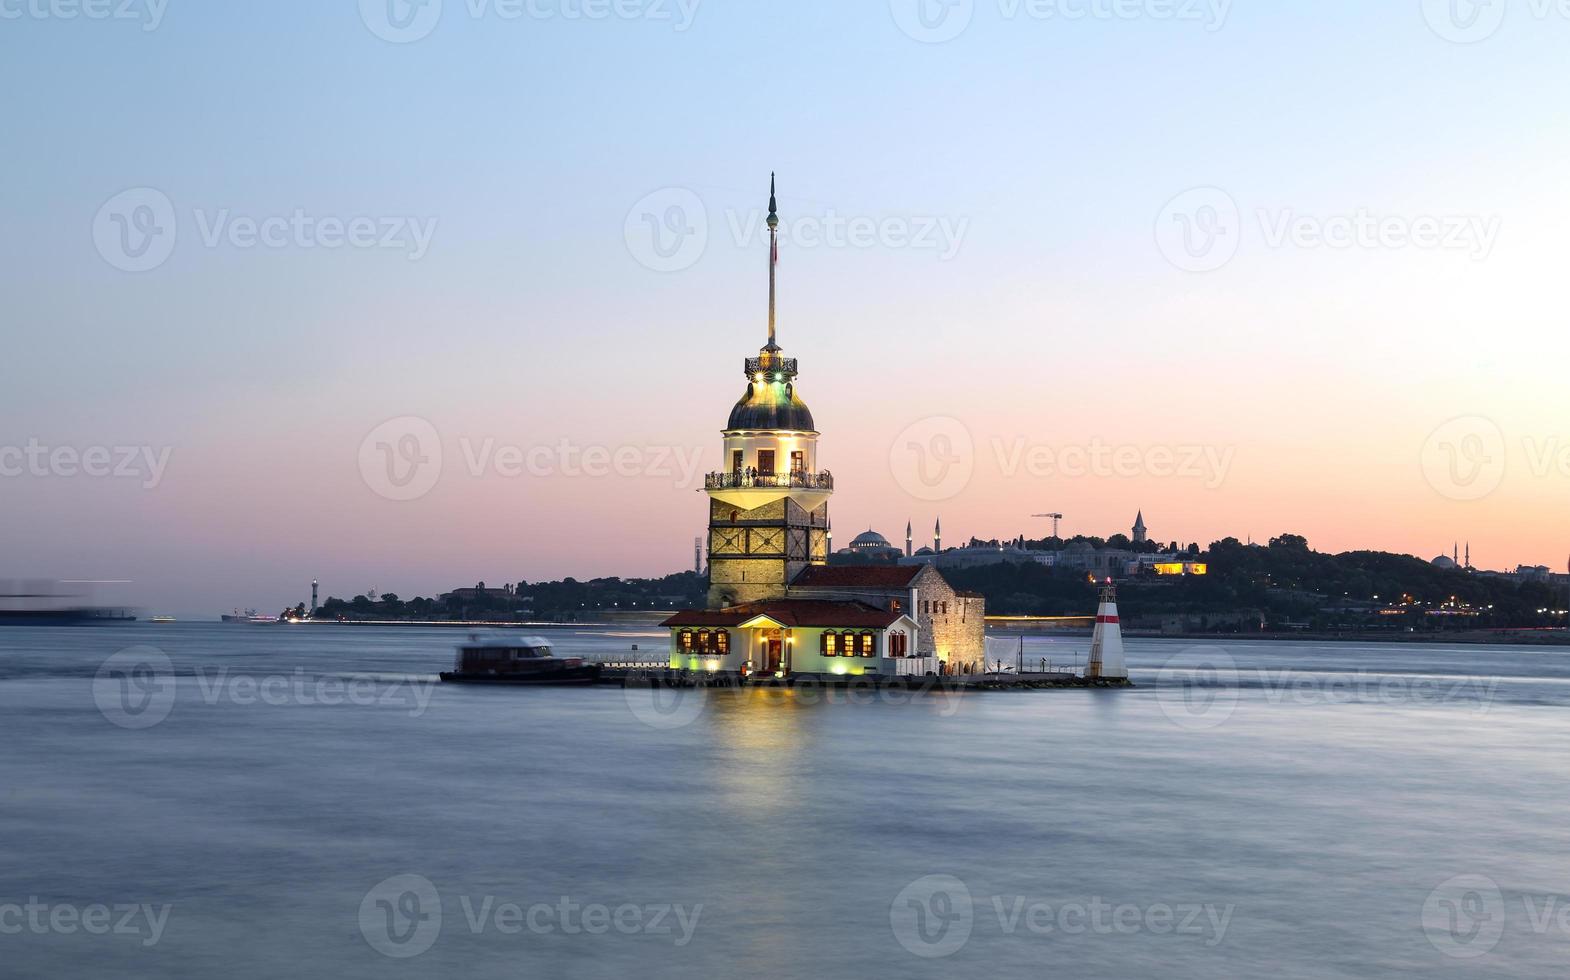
x: 528, y: 144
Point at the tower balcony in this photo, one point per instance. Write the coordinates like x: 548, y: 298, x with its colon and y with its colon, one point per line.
x: 771, y: 364
x: 752, y: 480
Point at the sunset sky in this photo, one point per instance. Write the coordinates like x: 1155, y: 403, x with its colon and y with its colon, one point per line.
x: 1278, y: 267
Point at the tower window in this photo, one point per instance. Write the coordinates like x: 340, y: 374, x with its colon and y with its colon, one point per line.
x: 765, y: 462
x: 736, y: 458
x: 798, y: 462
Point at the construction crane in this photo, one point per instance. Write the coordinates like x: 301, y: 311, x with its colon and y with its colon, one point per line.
x: 1055, y: 519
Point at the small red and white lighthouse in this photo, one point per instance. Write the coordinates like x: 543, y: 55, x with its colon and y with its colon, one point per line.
x: 1106, y: 644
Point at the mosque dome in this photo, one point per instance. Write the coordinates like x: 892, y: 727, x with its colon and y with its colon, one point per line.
x: 1444, y: 561
x: 869, y: 539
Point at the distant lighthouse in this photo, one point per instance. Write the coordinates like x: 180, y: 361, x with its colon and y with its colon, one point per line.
x: 313, y: 596
x: 1106, y: 645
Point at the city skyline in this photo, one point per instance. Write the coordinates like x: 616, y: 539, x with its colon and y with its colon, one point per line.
x: 1180, y: 299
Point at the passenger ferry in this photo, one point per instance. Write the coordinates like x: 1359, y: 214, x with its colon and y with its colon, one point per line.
x: 493, y: 658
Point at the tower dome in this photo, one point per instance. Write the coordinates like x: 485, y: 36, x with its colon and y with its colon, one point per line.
x: 771, y: 402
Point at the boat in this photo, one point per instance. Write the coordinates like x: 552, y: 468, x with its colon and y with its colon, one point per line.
x: 162, y: 619
x: 249, y: 616
x: 492, y: 658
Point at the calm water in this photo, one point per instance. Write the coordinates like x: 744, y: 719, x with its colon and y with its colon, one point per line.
x: 1290, y: 809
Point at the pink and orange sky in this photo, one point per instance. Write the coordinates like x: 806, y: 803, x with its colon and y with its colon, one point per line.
x: 1297, y: 271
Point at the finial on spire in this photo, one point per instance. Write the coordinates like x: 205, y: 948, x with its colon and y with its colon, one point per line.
x: 774, y: 258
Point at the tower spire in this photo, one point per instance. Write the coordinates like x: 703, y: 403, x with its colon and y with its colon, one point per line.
x: 774, y: 257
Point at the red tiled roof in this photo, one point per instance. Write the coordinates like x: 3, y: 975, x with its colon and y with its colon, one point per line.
x: 857, y: 576
x: 790, y: 612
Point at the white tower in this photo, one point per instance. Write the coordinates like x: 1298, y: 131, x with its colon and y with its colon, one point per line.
x: 1106, y: 645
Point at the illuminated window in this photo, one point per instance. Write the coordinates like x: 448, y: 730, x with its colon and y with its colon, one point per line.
x: 686, y: 640
x: 722, y: 641
x: 829, y: 644
x: 869, y: 645
x: 798, y: 462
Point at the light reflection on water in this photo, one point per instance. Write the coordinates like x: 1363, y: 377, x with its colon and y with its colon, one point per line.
x: 1324, y: 810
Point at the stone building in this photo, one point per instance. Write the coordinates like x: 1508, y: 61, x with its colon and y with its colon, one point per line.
x: 952, y: 624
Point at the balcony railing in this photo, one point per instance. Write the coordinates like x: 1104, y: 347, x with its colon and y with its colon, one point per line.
x: 751, y: 480
x: 771, y: 364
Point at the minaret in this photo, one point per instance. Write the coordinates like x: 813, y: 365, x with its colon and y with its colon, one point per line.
x: 1141, y: 533
x: 1106, y: 645
x: 1469, y: 556
x: 769, y: 508
x: 937, y: 536
x: 909, y: 541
